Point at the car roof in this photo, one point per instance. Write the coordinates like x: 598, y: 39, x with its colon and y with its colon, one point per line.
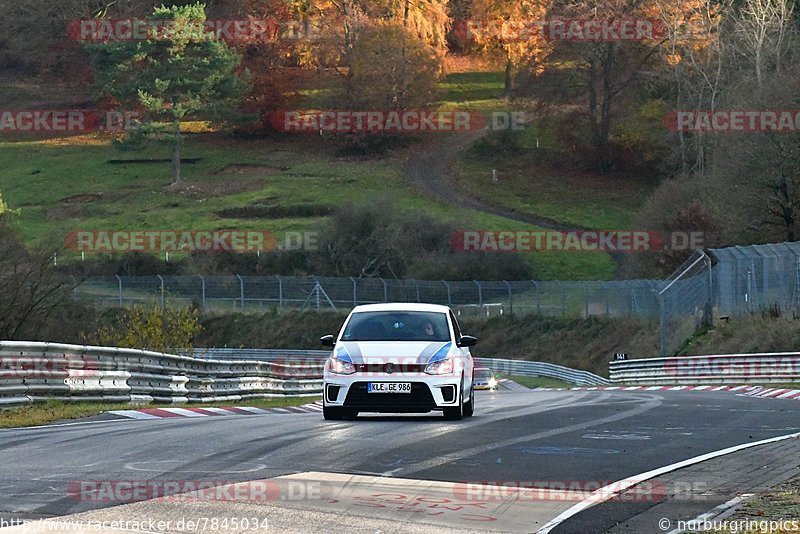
x: 401, y: 306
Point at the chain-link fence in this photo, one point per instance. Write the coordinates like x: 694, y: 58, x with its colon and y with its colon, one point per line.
x: 757, y: 278
x: 744, y: 280
x: 685, y: 302
x: 630, y: 298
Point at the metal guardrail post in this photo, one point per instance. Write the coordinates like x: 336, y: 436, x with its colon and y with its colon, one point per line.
x: 480, y: 293
x: 385, y: 290
x: 355, y: 292
x: 280, y: 292
x: 510, y: 298
x: 119, y: 283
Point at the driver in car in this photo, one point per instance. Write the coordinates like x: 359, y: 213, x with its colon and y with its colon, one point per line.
x: 427, y: 330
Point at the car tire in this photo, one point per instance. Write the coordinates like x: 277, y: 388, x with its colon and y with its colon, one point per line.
x: 349, y: 414
x: 332, y: 414
x: 457, y: 413
x: 469, y: 407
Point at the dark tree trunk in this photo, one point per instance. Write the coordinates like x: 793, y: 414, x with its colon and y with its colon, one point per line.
x: 508, y: 82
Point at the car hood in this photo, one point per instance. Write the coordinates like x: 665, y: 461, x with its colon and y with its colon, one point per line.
x: 392, y: 351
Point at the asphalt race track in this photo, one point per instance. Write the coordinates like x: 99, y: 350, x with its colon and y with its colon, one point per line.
x: 413, y: 473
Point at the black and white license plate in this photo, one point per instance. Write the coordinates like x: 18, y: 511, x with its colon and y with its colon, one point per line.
x: 388, y: 387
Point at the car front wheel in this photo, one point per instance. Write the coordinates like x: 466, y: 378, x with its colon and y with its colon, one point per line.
x: 456, y: 413
x: 469, y: 407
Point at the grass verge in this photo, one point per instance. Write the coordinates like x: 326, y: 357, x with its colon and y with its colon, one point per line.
x: 56, y: 410
x: 538, y: 382
x: 772, y: 511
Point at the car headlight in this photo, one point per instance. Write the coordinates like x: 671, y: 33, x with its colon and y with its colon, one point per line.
x: 492, y: 383
x: 440, y: 367
x: 341, y: 367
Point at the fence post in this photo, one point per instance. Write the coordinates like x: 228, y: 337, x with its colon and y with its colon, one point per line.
x: 203, y: 293
x: 280, y: 292
x: 538, y: 297
x: 163, y: 298
x: 385, y: 290
x: 709, y: 319
x: 119, y: 283
x: 586, y: 299
x: 449, y: 300
x: 510, y: 298
x: 241, y: 291
x: 417, y: 283
x: 355, y: 292
x: 480, y: 293
x: 663, y: 325
x: 563, y: 300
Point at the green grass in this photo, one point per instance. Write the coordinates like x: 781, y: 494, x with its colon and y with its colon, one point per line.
x: 539, y: 382
x: 66, y: 184
x: 473, y: 90
x: 43, y: 178
x: 607, y: 202
x: 55, y: 410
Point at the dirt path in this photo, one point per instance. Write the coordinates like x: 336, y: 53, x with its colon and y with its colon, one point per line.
x: 430, y: 172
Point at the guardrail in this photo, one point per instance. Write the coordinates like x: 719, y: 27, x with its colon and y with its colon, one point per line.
x: 515, y: 367
x: 724, y: 369
x: 265, y: 355
x: 32, y: 371
x: 548, y: 370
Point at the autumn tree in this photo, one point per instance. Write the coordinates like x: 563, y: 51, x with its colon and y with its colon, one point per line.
x: 604, y: 69
x: 30, y: 288
x: 390, y: 69
x: 508, y: 31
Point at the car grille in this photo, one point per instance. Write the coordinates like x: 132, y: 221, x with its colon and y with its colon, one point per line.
x: 397, y: 368
x: 420, y: 398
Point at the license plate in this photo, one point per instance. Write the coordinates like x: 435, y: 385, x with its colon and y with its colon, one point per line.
x: 388, y: 387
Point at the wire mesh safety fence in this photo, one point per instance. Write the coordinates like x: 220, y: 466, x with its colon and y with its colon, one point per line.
x: 629, y: 298
x: 743, y: 280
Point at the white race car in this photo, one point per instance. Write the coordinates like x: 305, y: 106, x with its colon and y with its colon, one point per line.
x: 399, y: 358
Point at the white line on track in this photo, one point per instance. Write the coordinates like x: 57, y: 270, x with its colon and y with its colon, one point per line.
x: 605, y: 493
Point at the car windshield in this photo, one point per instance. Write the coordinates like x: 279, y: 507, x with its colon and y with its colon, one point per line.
x: 483, y: 373
x: 397, y: 326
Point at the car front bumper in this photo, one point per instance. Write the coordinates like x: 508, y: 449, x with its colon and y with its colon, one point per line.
x: 428, y: 393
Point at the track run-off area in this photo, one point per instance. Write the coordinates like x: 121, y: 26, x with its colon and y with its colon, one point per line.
x: 528, y: 461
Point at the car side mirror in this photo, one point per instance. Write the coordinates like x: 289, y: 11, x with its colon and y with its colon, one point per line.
x: 467, y: 341
x: 328, y: 341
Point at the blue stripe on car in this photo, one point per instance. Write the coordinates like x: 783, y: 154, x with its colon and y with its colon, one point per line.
x: 440, y: 354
